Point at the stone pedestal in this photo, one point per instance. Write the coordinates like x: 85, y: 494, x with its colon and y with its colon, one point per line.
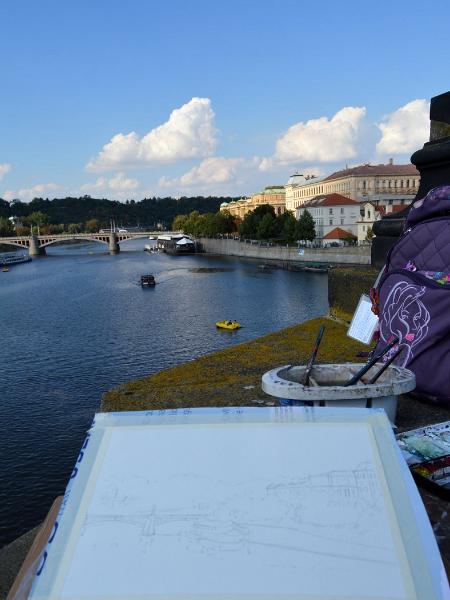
x: 433, y: 163
x: 33, y: 248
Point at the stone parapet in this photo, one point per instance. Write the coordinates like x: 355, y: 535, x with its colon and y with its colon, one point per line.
x: 345, y: 255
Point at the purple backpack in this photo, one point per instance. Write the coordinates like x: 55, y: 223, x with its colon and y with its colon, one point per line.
x: 413, y: 295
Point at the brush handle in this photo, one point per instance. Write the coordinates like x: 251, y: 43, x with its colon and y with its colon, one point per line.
x: 371, y: 362
x: 310, y: 364
x: 386, y: 365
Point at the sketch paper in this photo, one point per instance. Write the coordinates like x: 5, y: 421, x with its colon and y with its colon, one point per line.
x: 234, y: 510
x: 364, y: 322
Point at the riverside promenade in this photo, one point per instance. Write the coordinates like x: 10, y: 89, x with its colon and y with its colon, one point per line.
x: 285, y: 256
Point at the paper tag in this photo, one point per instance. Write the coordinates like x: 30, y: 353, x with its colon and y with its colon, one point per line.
x: 364, y: 322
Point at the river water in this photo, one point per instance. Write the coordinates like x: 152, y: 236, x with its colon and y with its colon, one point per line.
x: 77, y: 323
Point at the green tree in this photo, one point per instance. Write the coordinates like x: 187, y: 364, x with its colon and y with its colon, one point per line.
x: 287, y: 226
x: 305, y: 227
x: 191, y: 223
x: 250, y: 224
x: 267, y: 227
x: 92, y: 226
x: 75, y: 228
x: 208, y: 224
x: 22, y: 230
x: 225, y: 222
x: 37, y: 218
x: 6, y: 227
x: 179, y: 222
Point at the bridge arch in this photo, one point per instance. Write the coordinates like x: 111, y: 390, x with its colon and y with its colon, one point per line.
x: 21, y: 243
x: 88, y: 238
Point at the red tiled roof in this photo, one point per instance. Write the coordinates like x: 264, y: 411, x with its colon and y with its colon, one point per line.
x: 339, y: 234
x: 374, y: 170
x: 329, y: 200
x: 395, y: 208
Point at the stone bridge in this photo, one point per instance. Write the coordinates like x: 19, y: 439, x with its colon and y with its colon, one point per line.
x: 36, y: 244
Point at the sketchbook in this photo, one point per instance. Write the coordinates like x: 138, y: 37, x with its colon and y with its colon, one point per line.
x: 241, y: 503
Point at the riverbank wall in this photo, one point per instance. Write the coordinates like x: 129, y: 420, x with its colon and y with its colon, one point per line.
x: 345, y: 255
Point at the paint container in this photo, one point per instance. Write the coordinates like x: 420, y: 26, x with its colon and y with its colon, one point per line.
x: 326, y: 386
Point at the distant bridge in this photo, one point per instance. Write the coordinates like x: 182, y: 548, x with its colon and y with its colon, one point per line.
x: 36, y: 244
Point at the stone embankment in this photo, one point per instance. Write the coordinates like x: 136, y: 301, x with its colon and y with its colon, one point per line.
x: 345, y: 255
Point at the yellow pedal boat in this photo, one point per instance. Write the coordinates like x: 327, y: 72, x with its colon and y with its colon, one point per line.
x: 231, y: 325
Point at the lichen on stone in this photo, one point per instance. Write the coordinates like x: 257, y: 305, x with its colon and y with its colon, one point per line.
x: 232, y: 377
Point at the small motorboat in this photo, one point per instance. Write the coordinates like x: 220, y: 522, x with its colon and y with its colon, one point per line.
x: 5, y: 269
x: 230, y: 325
x: 147, y: 281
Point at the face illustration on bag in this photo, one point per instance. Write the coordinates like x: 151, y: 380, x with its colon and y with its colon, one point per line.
x: 404, y: 315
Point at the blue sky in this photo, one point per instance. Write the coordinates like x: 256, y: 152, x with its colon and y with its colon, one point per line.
x: 223, y: 97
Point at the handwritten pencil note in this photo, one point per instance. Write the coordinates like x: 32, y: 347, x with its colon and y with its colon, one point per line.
x: 364, y: 322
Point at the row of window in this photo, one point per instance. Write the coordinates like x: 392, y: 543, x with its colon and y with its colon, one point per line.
x: 365, y: 184
x: 319, y: 222
x: 391, y: 183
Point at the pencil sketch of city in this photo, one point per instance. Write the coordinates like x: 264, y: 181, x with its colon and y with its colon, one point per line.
x: 336, y: 514
x: 236, y: 511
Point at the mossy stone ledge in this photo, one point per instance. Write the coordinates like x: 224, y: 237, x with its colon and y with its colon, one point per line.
x: 232, y: 377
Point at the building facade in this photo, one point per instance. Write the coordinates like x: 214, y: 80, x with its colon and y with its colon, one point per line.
x: 332, y: 211
x: 274, y: 195
x: 382, y: 184
x: 371, y: 212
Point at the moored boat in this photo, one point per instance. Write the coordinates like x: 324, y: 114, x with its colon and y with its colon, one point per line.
x: 13, y: 259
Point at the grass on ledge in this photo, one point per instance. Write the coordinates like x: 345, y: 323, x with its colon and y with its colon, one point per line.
x: 232, y: 377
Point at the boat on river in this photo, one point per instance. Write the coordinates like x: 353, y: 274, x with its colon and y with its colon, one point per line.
x: 7, y: 260
x: 230, y: 325
x: 147, y: 281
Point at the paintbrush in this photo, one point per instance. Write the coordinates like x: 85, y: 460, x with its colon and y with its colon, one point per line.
x: 305, y: 379
x: 371, y: 362
x: 386, y: 365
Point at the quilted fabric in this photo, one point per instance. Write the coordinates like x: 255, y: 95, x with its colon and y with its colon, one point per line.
x: 427, y: 246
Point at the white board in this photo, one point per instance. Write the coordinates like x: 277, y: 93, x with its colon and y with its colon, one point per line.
x: 237, y: 504
x: 364, y: 322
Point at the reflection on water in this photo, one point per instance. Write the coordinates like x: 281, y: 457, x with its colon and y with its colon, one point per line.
x: 77, y: 322
x: 211, y: 270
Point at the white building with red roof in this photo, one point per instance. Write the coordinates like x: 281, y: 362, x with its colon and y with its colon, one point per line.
x: 369, y: 213
x: 338, y: 237
x: 331, y: 211
x: 382, y: 184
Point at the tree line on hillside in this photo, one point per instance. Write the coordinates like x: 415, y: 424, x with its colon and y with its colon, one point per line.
x: 261, y: 224
x: 84, y: 213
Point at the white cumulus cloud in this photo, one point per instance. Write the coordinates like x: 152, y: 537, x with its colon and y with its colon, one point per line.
x: 118, y: 183
x: 188, y: 133
x: 406, y: 129
x: 319, y: 140
x: 4, y: 168
x: 39, y: 190
x: 213, y: 170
